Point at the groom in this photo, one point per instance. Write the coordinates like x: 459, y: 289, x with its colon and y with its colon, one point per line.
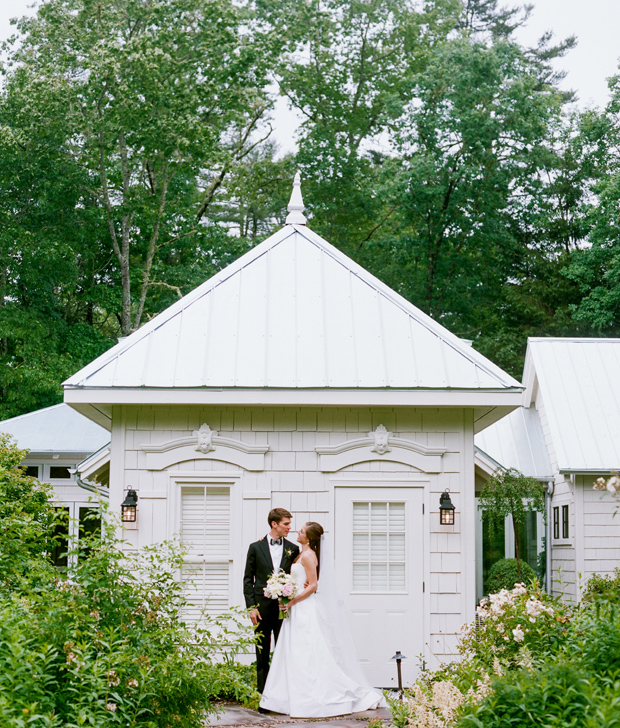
x: 265, y: 556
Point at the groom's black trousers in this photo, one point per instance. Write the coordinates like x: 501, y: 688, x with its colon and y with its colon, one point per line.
x: 268, y: 625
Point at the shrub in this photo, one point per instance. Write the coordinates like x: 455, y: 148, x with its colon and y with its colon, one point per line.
x: 107, y: 646
x: 504, y: 574
x: 605, y: 587
x: 558, y: 696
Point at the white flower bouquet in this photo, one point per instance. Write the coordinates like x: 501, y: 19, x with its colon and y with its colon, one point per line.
x: 280, y: 586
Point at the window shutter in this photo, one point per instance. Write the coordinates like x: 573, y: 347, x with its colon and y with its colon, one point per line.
x: 205, y: 533
x: 378, y: 547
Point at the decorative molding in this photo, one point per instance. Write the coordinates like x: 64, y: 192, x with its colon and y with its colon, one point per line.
x: 382, y: 440
x: 257, y: 495
x: 205, y: 437
x: 380, y: 445
x: 205, y: 444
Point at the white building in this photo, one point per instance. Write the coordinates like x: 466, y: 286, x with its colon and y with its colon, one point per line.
x: 567, y: 434
x: 295, y: 378
x: 57, y: 439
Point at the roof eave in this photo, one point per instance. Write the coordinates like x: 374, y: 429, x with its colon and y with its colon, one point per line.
x: 509, y: 397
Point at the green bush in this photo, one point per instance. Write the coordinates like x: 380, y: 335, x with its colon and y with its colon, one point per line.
x: 557, y: 696
x: 233, y: 682
x: 504, y: 574
x: 605, y: 588
x: 107, y: 646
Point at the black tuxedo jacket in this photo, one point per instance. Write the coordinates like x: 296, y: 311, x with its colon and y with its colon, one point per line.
x: 258, y: 568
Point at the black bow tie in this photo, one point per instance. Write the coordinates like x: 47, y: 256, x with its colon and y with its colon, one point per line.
x: 276, y: 541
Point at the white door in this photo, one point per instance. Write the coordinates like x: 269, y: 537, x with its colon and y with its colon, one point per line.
x: 379, y: 562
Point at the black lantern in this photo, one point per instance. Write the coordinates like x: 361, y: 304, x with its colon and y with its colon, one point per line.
x: 129, y: 507
x: 446, y: 509
x: 399, y: 657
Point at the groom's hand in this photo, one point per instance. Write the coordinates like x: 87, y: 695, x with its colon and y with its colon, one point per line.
x: 255, y: 616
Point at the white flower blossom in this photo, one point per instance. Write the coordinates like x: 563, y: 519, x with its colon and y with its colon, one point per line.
x: 518, y: 634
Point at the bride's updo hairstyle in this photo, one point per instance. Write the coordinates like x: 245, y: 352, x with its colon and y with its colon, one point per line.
x: 314, y: 531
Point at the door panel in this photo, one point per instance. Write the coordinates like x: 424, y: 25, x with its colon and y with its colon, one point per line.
x: 379, y: 566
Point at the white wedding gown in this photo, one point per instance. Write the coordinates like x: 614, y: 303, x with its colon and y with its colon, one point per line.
x: 307, y: 678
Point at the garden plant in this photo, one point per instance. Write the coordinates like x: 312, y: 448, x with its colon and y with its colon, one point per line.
x: 105, y: 644
x: 528, y: 660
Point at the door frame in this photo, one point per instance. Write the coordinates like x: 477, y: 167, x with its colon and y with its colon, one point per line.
x: 395, y: 480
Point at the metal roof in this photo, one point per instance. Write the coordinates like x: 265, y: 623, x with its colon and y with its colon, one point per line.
x: 58, y: 430
x: 579, y: 383
x: 517, y: 441
x: 294, y: 312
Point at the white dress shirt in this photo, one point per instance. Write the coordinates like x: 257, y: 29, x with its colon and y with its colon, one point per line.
x: 276, y: 551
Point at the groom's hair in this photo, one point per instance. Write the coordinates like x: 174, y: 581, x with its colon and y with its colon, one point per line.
x: 277, y: 514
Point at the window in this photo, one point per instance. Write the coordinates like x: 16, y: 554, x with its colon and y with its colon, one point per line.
x: 58, y: 472
x: 565, y: 521
x: 379, y: 547
x: 32, y: 471
x: 205, y: 532
x: 58, y: 554
x: 89, y: 529
x: 556, y: 522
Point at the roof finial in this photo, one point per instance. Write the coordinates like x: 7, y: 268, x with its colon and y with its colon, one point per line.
x: 296, y: 204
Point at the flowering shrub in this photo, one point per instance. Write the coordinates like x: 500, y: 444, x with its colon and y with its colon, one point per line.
x: 512, y: 620
x: 515, y: 630
x: 107, y: 646
x: 437, y: 704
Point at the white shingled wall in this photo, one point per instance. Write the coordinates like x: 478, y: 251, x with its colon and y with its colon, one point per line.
x: 601, y: 530
x: 563, y: 551
x: 291, y: 478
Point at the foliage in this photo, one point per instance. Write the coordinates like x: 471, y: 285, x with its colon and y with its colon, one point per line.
x: 26, y: 517
x: 603, y: 587
x: 515, y: 625
x: 504, y: 574
x: 529, y: 660
x: 560, y: 696
x: 108, y: 645
x: 231, y: 681
x: 510, y: 493
x: 596, y: 267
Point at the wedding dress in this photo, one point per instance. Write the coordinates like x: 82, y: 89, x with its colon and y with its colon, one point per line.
x: 309, y: 676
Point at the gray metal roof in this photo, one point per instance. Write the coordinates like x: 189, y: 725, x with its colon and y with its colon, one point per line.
x: 579, y: 382
x: 58, y: 429
x: 294, y: 312
x: 517, y: 441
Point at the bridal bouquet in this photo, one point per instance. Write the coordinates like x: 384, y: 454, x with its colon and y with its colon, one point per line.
x: 280, y: 586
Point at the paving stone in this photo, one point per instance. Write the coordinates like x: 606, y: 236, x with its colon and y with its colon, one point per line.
x: 230, y: 714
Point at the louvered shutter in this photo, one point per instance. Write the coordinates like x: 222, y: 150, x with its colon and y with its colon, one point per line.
x: 205, y: 533
x: 378, y: 547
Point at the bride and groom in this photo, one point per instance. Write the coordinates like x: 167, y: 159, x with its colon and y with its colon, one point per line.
x: 314, y: 672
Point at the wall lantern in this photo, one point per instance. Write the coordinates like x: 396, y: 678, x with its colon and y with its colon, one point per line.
x: 129, y: 507
x: 446, y: 509
x: 399, y: 657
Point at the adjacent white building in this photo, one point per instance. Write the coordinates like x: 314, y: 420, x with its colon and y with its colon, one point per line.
x: 567, y: 434
x: 295, y: 378
x: 57, y: 439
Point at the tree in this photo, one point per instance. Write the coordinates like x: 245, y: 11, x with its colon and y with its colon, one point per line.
x: 150, y: 104
x: 510, y: 493
x: 596, y: 268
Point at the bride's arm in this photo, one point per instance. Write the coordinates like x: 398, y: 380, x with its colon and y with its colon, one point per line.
x: 308, y: 560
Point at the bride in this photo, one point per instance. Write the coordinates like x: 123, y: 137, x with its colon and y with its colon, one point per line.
x: 314, y: 672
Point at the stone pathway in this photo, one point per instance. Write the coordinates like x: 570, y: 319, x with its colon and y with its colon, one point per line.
x: 232, y: 715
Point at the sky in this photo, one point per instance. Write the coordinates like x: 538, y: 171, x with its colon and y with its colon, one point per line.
x: 596, y: 23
